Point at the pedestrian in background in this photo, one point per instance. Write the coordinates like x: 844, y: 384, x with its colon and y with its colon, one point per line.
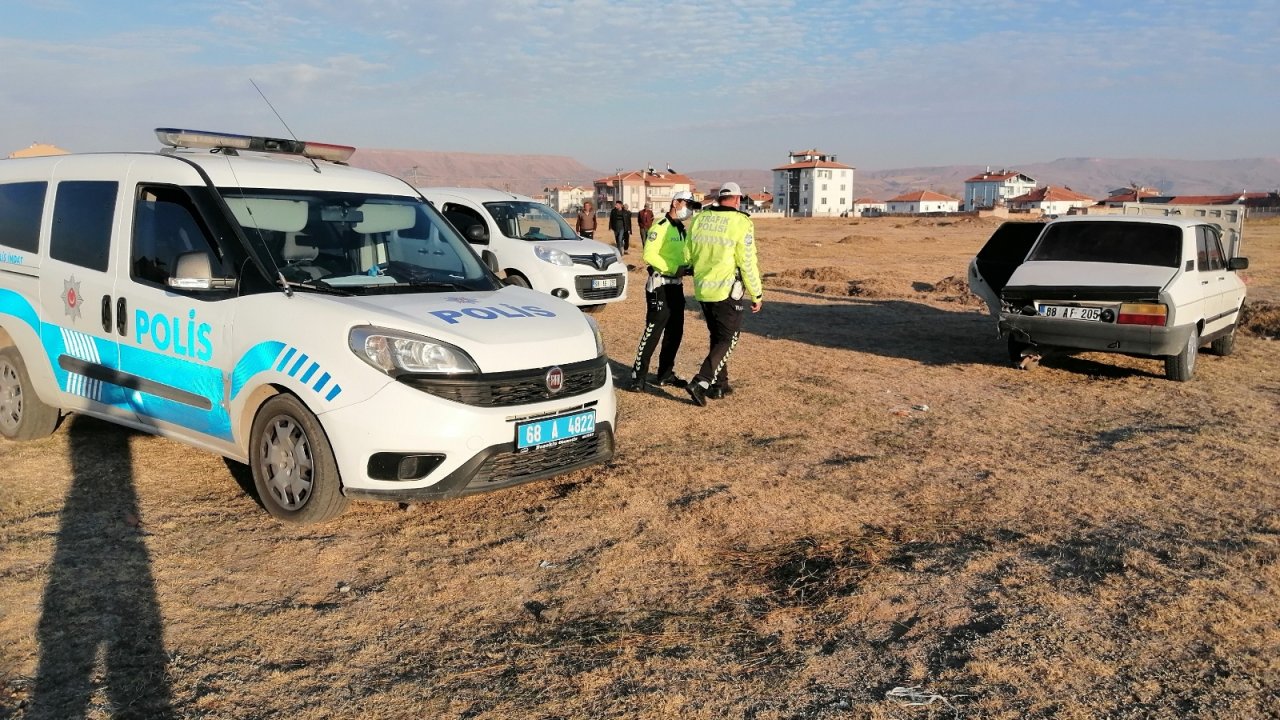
x: 664, y: 295
x: 644, y: 220
x: 618, y: 225
x: 720, y: 249
x: 587, y: 220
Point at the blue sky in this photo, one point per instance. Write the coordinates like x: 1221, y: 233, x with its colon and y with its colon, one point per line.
x: 882, y: 84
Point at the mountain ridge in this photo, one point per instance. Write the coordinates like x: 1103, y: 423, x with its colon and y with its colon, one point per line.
x: 531, y: 174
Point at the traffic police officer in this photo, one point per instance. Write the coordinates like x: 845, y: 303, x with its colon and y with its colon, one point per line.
x: 664, y: 294
x: 721, y: 251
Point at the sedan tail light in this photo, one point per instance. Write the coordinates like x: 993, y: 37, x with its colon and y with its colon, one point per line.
x: 1143, y: 314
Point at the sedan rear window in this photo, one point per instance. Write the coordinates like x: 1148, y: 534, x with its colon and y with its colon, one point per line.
x: 1111, y: 242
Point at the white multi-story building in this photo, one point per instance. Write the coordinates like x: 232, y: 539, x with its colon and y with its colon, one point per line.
x: 566, y: 198
x: 811, y: 184
x: 638, y: 188
x: 922, y: 201
x: 991, y: 189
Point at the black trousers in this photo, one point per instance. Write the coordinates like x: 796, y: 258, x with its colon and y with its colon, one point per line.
x: 664, y: 319
x: 724, y: 322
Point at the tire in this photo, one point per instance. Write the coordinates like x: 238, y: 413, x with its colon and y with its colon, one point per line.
x: 515, y: 278
x: 1182, y: 366
x: 1226, y: 344
x: 294, y: 470
x: 22, y: 414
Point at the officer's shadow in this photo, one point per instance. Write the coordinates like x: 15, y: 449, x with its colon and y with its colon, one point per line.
x: 100, y: 631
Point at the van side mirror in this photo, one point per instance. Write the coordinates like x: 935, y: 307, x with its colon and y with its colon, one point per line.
x: 477, y: 234
x: 193, y: 272
x: 1238, y: 263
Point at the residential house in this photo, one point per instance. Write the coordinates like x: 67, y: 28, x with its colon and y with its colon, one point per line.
x: 1051, y: 200
x: 638, y: 188
x: 991, y: 189
x: 812, y: 184
x: 566, y: 198
x: 922, y: 201
x: 757, y: 202
x: 1118, y: 197
x: 869, y: 207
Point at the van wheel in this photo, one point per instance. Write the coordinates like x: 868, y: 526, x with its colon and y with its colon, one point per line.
x: 22, y: 415
x: 1182, y: 366
x: 515, y: 278
x: 1224, y: 345
x: 294, y: 470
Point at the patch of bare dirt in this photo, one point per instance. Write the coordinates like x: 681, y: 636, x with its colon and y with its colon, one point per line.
x: 1261, y: 318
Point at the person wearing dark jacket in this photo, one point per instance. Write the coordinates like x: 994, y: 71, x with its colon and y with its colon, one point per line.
x: 644, y: 219
x: 620, y: 225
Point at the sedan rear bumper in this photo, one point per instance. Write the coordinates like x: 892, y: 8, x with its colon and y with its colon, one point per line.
x: 1096, y: 336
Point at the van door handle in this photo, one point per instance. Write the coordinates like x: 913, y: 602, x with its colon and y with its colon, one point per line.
x: 122, y: 320
x: 106, y: 314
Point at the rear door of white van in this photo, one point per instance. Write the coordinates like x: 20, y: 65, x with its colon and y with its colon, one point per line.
x: 77, y: 289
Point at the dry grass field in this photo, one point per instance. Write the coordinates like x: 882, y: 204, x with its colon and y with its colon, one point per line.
x: 882, y: 504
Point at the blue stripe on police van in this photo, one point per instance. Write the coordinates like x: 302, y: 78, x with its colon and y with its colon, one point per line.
x: 256, y: 359
x: 293, y: 371
x: 11, y: 303
x: 285, y: 360
x: 306, y: 376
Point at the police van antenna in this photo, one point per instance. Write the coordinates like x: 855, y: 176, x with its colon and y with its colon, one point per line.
x: 282, y: 122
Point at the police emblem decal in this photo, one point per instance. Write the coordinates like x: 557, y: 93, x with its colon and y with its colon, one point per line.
x: 555, y: 380
x: 462, y: 300
x: 71, y: 299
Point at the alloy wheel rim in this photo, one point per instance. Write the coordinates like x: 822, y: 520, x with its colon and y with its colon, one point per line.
x: 287, y: 463
x: 10, y: 397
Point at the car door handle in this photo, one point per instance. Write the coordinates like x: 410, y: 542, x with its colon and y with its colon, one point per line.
x: 122, y: 322
x: 106, y: 314
x: 1204, y: 282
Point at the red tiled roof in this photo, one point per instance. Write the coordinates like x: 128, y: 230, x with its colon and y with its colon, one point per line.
x: 867, y: 201
x: 1206, y: 199
x: 814, y: 164
x: 994, y: 177
x: 641, y: 176
x: 761, y: 197
x: 1049, y: 193
x: 921, y: 196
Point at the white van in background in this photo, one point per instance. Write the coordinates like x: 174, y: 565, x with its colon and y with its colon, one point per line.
x: 532, y: 246
x: 257, y: 298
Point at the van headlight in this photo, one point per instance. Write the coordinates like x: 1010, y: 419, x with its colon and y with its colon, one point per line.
x: 595, y: 330
x: 553, y: 256
x: 396, y: 353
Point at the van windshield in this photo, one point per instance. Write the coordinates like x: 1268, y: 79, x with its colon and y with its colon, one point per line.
x: 357, y: 243
x: 1133, y: 243
x: 525, y: 220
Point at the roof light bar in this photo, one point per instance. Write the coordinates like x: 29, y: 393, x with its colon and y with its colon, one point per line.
x: 179, y: 138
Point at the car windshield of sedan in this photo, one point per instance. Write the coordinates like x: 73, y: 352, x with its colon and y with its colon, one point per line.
x: 525, y: 220
x: 1111, y: 242
x: 355, y: 243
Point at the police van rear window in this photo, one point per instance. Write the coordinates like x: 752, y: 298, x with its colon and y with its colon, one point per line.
x: 82, y: 215
x: 21, y: 207
x: 1111, y: 242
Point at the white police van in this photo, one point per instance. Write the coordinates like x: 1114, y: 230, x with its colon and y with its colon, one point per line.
x: 531, y: 245
x: 257, y: 298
